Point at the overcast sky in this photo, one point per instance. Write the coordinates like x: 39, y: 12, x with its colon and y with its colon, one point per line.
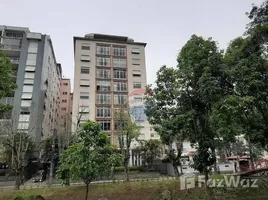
x: 165, y: 25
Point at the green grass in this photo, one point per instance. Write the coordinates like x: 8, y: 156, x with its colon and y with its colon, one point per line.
x: 139, y: 191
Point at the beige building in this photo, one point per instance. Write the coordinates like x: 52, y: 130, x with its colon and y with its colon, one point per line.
x: 65, y: 106
x: 108, y: 69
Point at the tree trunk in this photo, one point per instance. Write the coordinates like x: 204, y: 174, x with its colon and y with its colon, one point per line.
x: 17, y: 182
x: 176, y: 171
x: 209, y: 191
x: 87, y: 186
x: 126, y: 161
x: 215, y: 163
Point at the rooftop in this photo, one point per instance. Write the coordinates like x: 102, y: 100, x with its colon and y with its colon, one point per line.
x: 15, y: 28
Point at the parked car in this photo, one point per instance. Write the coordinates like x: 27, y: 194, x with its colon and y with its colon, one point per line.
x: 40, y: 176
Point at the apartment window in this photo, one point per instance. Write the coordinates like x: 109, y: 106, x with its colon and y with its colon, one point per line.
x: 85, y: 58
x: 120, y: 87
x: 135, y: 51
x: 137, y: 85
x: 119, y: 51
x: 84, y: 70
x: 26, y: 103
x: 23, y: 126
x: 136, y: 73
x: 120, y: 74
x: 151, y: 129
x: 31, y: 59
x: 84, y: 109
x: 30, y: 68
x: 29, y: 75
x: 103, y: 112
x: 63, y: 109
x: 64, y: 101
x: 119, y: 125
x: 136, y: 61
x: 84, y: 82
x: 27, y: 88
x: 103, y: 98
x: 84, y: 95
x: 103, y: 85
x: 103, y: 61
x: 105, y: 124
x: 65, y: 84
x: 103, y: 73
x: 33, y: 47
x: 120, y: 98
x: 28, y: 81
x: 119, y: 62
x: 103, y: 50
x: 65, y: 93
x: 14, y: 35
x: 152, y: 134
x: 85, y: 47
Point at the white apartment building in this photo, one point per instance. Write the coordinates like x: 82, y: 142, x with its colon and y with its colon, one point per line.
x: 108, y: 69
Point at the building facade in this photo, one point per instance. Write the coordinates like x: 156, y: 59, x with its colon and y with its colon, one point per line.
x: 65, y: 106
x: 37, y: 74
x: 107, y: 70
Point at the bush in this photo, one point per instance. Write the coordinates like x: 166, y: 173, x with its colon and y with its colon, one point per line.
x: 132, y: 168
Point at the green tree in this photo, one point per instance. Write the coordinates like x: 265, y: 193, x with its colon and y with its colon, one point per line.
x: 7, y: 83
x: 91, y: 157
x: 152, y: 149
x: 127, y: 130
x: 163, y: 111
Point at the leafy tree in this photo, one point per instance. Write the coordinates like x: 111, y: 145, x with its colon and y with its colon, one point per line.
x: 7, y: 84
x: 127, y: 130
x: 163, y: 111
x: 88, y: 159
x: 152, y: 149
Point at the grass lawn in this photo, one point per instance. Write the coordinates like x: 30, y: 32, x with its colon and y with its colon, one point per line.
x: 139, y: 191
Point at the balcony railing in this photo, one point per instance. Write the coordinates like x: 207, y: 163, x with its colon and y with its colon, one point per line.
x: 7, y: 100
x: 10, y: 47
x: 14, y: 60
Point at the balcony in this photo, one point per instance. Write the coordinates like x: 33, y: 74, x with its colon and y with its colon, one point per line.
x: 14, y: 60
x: 10, y: 47
x: 7, y: 100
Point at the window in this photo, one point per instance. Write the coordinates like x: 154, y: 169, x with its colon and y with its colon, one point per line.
x: 119, y: 125
x: 14, y: 35
x: 29, y: 75
x: 64, y: 101
x: 27, y: 88
x: 119, y: 62
x: 84, y: 70
x: 84, y: 95
x: 84, y: 82
x: 103, y: 112
x: 120, y: 87
x: 120, y: 98
x: 33, y: 46
x: 28, y: 81
x: 103, y: 73
x: 65, y: 84
x: 26, y: 103
x: 103, y: 98
x: 138, y: 113
x: 152, y: 134
x: 136, y: 61
x: 63, y: 109
x: 103, y: 50
x: 103, y: 61
x: 31, y: 59
x: 119, y: 51
x: 23, y: 125
x: 137, y: 85
x: 135, y: 51
x: 84, y: 109
x: 26, y: 95
x: 85, y: 58
x: 103, y: 86
x: 30, y: 68
x: 151, y: 129
x: 136, y: 73
x: 105, y: 124
x: 85, y: 47
x: 120, y: 74
x: 65, y: 93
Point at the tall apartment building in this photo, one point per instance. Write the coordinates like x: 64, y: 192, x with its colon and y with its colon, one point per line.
x: 65, y: 106
x: 37, y: 74
x: 108, y: 69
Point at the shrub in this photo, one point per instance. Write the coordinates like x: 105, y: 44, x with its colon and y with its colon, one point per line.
x: 132, y: 168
